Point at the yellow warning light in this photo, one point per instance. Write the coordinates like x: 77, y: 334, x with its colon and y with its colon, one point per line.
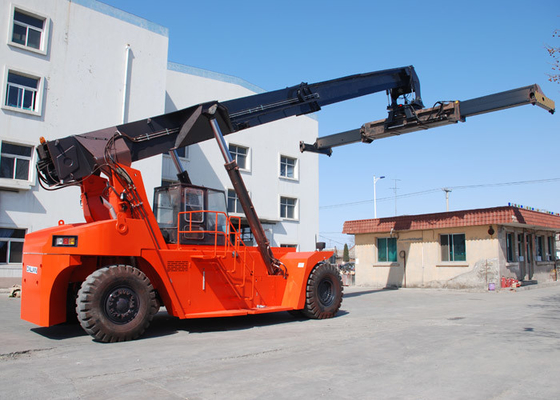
x: 42, y: 140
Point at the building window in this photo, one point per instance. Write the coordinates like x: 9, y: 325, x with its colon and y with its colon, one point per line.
x: 520, y: 252
x: 240, y: 155
x: 22, y: 92
x: 288, y: 207
x: 291, y: 246
x: 247, y: 236
x: 387, y: 249
x: 509, y: 246
x: 233, y: 203
x: 453, y: 247
x: 29, y: 31
x: 539, y: 241
x: 550, y: 243
x: 182, y: 152
x: 288, y: 167
x: 15, y: 161
x: 11, y: 245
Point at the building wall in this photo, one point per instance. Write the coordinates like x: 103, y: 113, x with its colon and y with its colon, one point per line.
x: 187, y: 86
x: 487, y: 260
x: 424, y: 268
x: 99, y: 67
x: 540, y: 267
x: 82, y: 73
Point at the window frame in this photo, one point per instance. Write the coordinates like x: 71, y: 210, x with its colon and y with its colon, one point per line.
x: 520, y: 247
x: 9, y: 241
x: 387, y: 257
x: 510, y: 247
x: 550, y: 248
x: 38, y: 107
x: 295, y: 176
x: 283, y: 205
x: 20, y: 184
x: 45, y: 31
x: 184, y: 150
x: 235, y: 155
x: 539, y: 248
x: 235, y: 198
x: 451, y: 258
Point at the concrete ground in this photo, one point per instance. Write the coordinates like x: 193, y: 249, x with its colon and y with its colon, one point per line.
x: 8, y: 282
x: 384, y: 344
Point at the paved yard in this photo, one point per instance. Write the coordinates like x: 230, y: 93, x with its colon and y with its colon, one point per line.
x: 390, y: 344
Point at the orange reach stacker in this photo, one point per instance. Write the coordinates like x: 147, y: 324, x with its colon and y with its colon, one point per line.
x: 115, y: 270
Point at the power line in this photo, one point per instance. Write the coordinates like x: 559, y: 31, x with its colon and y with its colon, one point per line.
x: 412, y: 194
x: 505, y: 183
x: 332, y: 240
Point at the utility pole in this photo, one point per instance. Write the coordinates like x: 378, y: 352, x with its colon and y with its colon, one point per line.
x: 447, y: 191
x: 395, y: 191
x: 374, y: 195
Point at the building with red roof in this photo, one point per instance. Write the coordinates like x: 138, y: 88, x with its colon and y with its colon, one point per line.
x: 482, y: 248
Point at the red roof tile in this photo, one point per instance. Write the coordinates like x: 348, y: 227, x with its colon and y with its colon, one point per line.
x: 482, y: 216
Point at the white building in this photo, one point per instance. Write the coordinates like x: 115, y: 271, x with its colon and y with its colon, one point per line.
x: 283, y: 183
x: 69, y: 67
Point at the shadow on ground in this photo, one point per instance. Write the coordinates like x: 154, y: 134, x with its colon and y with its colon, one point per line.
x: 363, y: 292
x: 164, y: 324
x: 61, y: 332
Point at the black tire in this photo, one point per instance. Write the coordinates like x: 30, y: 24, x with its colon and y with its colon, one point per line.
x: 116, y: 304
x: 71, y: 298
x: 324, y: 292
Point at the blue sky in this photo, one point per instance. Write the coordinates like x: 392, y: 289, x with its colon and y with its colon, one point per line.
x: 460, y: 50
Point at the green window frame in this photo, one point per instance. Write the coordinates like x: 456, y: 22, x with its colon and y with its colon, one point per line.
x: 550, y: 247
x: 387, y: 249
x: 510, y: 246
x: 453, y: 247
x: 539, y: 241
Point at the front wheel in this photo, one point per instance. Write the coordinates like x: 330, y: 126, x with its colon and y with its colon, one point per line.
x: 116, y: 303
x: 324, y: 292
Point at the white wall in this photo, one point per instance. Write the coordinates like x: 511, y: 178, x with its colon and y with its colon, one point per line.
x: 187, y: 86
x: 84, y: 73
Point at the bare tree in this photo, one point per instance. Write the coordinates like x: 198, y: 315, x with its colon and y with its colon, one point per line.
x: 554, y: 52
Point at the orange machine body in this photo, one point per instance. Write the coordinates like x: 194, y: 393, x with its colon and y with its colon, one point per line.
x: 225, y: 278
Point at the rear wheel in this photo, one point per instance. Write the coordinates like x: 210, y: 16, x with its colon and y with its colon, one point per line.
x: 116, y: 303
x: 324, y: 292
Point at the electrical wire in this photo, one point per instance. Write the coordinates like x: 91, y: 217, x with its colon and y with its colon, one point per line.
x: 405, y: 195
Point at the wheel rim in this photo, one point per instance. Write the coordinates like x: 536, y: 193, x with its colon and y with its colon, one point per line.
x: 326, y: 292
x: 122, y: 305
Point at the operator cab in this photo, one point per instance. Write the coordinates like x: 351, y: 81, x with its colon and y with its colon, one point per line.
x: 190, y: 214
